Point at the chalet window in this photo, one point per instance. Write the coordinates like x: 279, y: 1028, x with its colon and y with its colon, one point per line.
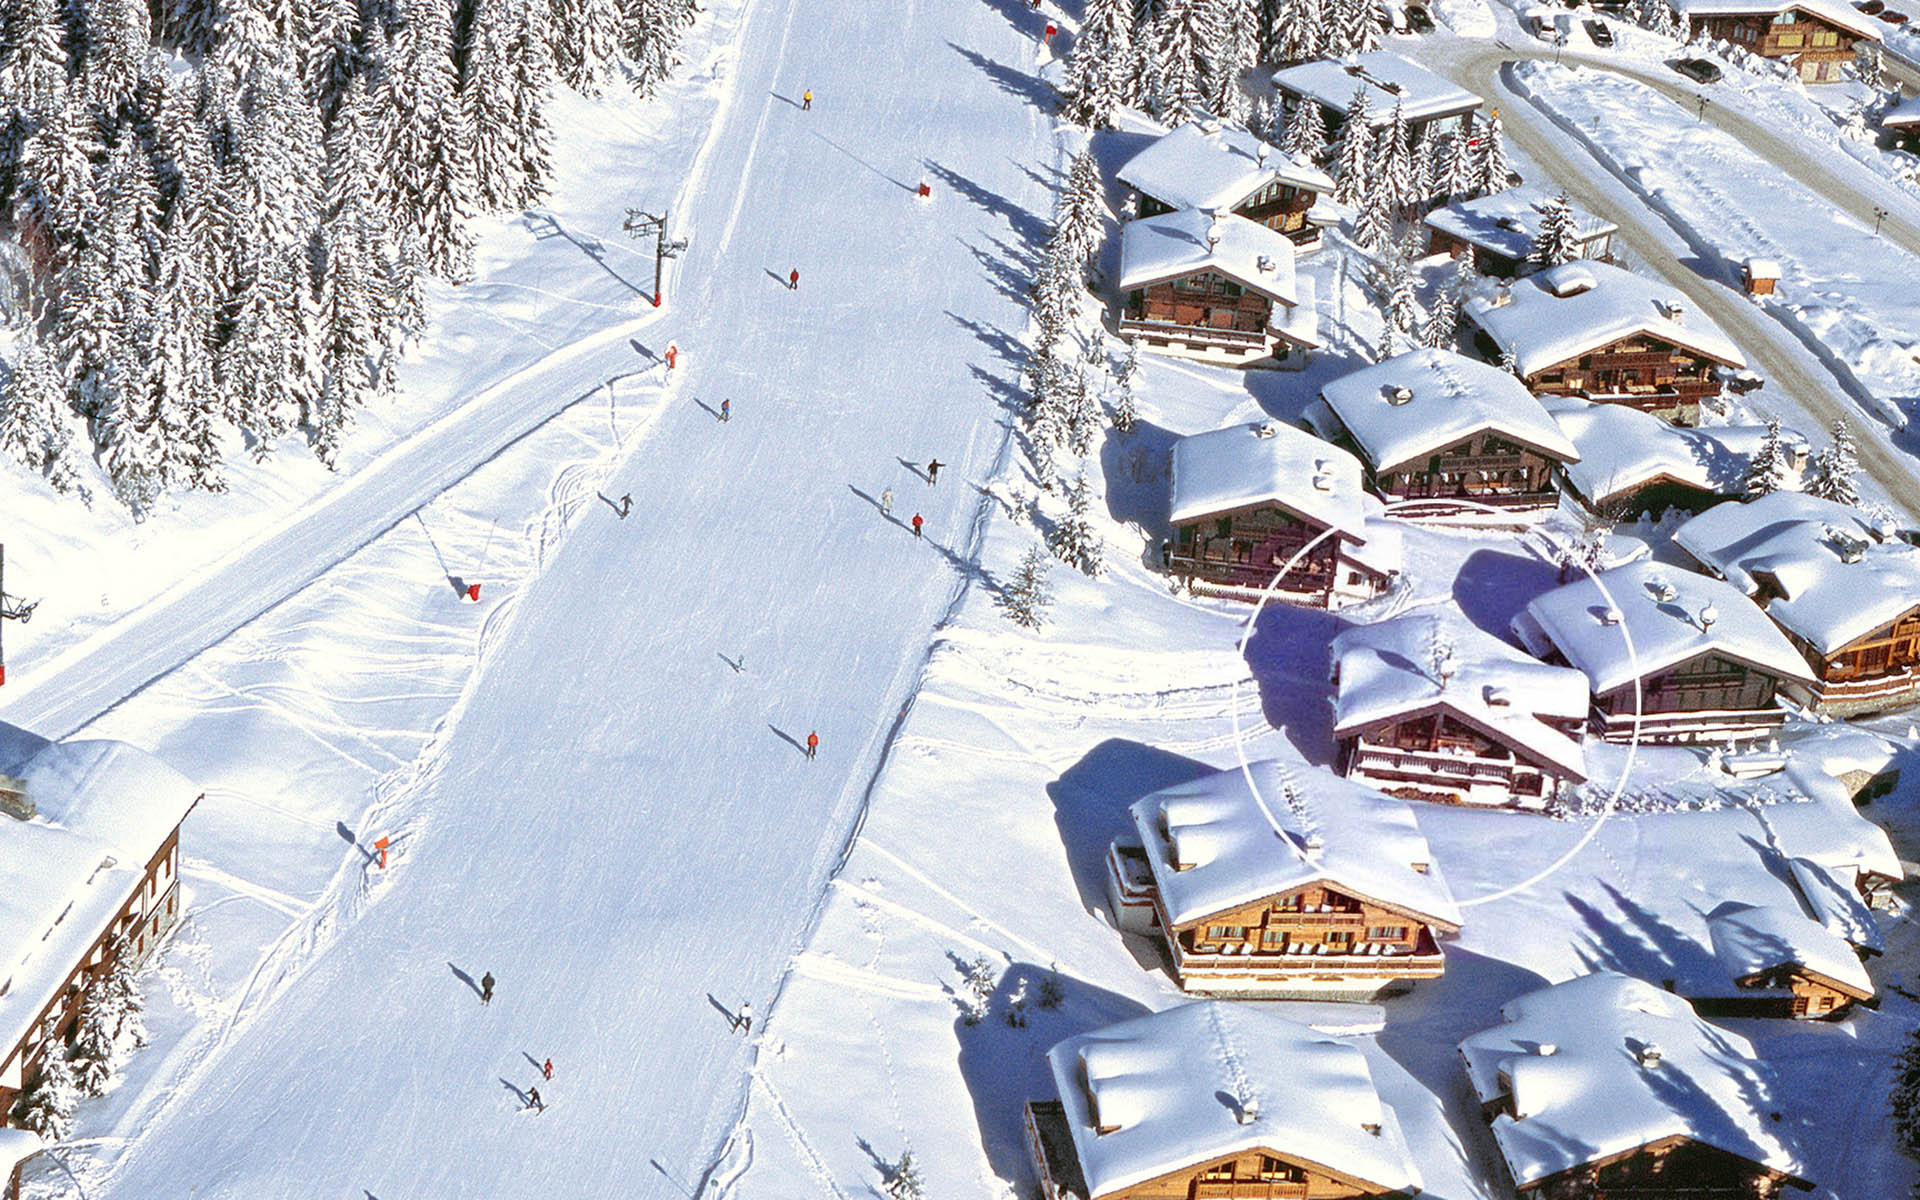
x: 1787, y: 41
x: 1223, y: 527
x: 1339, y: 937
x: 1785, y: 18
x: 1288, y: 903
x: 1230, y: 288
x: 1272, y: 1170
x: 1387, y: 933
x: 1273, y: 937
x: 1218, y: 1171
x: 1824, y: 38
x: 1226, y: 933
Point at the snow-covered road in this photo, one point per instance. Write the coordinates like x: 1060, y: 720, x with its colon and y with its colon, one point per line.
x: 622, y: 828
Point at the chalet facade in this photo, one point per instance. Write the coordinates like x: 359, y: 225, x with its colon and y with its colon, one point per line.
x: 1222, y: 168
x: 1433, y: 425
x: 1704, y: 662
x: 1247, y: 501
x: 1431, y: 105
x: 89, y: 865
x: 1782, y: 963
x: 1633, y: 464
x: 1217, y: 288
x: 1346, y: 903
x: 1593, y: 330
x: 1498, y: 232
x: 1902, y: 122
x: 1215, y: 1101
x: 1472, y: 722
x: 1608, y: 1086
x: 1845, y: 591
x: 1817, y: 37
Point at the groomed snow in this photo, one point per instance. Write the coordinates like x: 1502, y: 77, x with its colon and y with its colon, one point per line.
x: 1177, y: 1084
x: 1541, y: 327
x: 1388, y: 78
x: 1156, y: 249
x: 1215, y: 166
x: 1447, y: 397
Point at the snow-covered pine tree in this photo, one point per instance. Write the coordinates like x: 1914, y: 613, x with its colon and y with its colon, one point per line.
x: 1082, y: 214
x: 1306, y: 132
x: 1559, y: 238
x: 650, y: 34
x: 532, y: 136
x: 1175, y: 47
x: 1836, y: 468
x: 1904, y: 1098
x: 330, y: 54
x: 1125, y: 411
x: 34, y: 67
x: 903, y: 1178
x: 1443, y: 322
x: 1235, y: 51
x: 34, y: 417
x: 425, y: 130
x: 94, y: 1054
x: 1359, y: 28
x: 1083, y: 413
x: 1027, y: 594
x: 182, y: 398
x: 1353, y: 153
x: 1373, y: 226
x: 47, y: 1108
x: 488, y: 96
x: 1768, y: 470
x: 1868, y: 66
x: 1401, y: 307
x: 1394, y: 165
x: 1461, y: 174
x: 1297, y: 31
x: 1490, y: 167
x: 581, y: 35
x: 1073, y: 540
x: 979, y: 979
x: 123, y: 994
x: 119, y: 47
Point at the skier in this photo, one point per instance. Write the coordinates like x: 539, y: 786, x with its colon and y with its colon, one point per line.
x: 916, y: 524
x: 726, y: 410
x: 546, y: 1069
x: 626, y: 504
x: 933, y: 472
x: 743, y: 1020
x: 793, y: 280
x: 486, y: 988
x: 739, y: 662
x: 813, y: 745
x: 886, y: 503
x: 534, y: 1100
x: 806, y: 100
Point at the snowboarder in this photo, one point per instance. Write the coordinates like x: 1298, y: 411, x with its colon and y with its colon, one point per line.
x: 546, y: 1069
x: 486, y: 988
x: 726, y: 410
x: 793, y: 280
x: 933, y: 472
x: 886, y: 503
x: 916, y: 524
x: 743, y: 1020
x: 813, y: 745
x: 534, y: 1100
x: 806, y: 100
x: 626, y: 504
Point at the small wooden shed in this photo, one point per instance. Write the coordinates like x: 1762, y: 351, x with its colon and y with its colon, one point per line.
x: 1760, y: 275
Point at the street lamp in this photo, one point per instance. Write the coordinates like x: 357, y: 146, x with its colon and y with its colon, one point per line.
x: 1879, y: 215
x: 1701, y: 114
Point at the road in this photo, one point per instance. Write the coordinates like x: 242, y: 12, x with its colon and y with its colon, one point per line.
x: 622, y: 827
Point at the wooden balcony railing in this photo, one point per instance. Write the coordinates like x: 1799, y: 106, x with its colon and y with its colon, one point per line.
x: 1192, y: 333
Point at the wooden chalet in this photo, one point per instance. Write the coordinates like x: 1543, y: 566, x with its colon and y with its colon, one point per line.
x: 1313, y: 887
x: 1844, y: 590
x: 1433, y: 425
x: 1218, y: 288
x: 1593, y: 330
x: 1430, y: 104
x: 1817, y: 37
x: 1782, y: 963
x: 1902, y: 122
x: 1498, y: 232
x: 1632, y: 464
x: 1438, y: 711
x: 1704, y: 662
x: 1215, y: 1101
x: 1606, y: 1086
x: 1215, y: 167
x: 89, y: 867
x: 1245, y: 501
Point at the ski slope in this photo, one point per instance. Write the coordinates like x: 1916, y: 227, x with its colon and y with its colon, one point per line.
x: 621, y: 827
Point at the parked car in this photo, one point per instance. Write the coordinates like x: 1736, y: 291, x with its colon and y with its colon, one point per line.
x: 1697, y: 69
x: 1868, y: 7
x: 1418, y: 20
x: 1602, y: 36
x: 1892, y: 18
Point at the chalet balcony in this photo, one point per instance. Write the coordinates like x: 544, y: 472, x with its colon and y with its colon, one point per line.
x: 1472, y: 780
x: 1249, y: 1189
x: 1424, y: 961
x: 1194, y: 335
x: 1715, y: 724
x: 1050, y: 1143
x: 1867, y: 692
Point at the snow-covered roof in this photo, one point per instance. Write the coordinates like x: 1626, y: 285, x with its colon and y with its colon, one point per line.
x: 1907, y: 112
x: 1425, y: 400
x: 1202, y: 1081
x: 1215, y: 166
x: 102, y: 811
x: 1563, y: 312
x: 1752, y: 940
x: 1818, y: 821
x: 1387, y: 77
x: 1388, y: 671
x: 1506, y: 223
x: 1832, y: 575
x: 1623, y: 448
x: 1832, y: 11
x: 1214, y: 845
x: 1762, y: 268
x: 1267, y: 462
x: 1669, y: 614
x: 1604, y: 1064
x: 1156, y: 249
x: 1835, y: 903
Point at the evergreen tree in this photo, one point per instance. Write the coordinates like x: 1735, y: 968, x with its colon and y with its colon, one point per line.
x: 1306, y: 133
x: 1073, y: 540
x: 34, y: 418
x: 1559, y: 238
x: 1373, y: 227
x: 650, y: 33
x: 1359, y: 28
x: 1081, y: 218
x: 1394, y: 165
x: 1125, y: 413
x: 1490, y: 167
x: 1868, y: 66
x: 119, y: 46
x: 1178, y: 72
x: 1398, y: 303
x: 47, y: 1108
x: 330, y: 56
x: 1353, y: 157
x: 1298, y: 32
x: 1442, y: 323
x: 94, y: 1053
x: 532, y: 135
x: 1027, y: 595
x: 903, y: 1179
x: 1904, y: 1101
x: 1836, y: 469
x: 425, y: 132
x: 123, y: 998
x: 1768, y: 470
x: 1235, y: 50
x: 34, y: 71
x: 1083, y: 414
x: 489, y: 100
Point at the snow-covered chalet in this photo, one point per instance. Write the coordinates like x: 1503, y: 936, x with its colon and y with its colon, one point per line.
x: 1608, y: 1086
x: 89, y: 869
x: 1283, y: 882
x: 1215, y: 1101
x: 1818, y: 38
x: 1669, y: 654
x: 1593, y: 330
x: 1430, y: 104
x: 1222, y: 168
x: 1243, y: 501
x: 1214, y: 287
x: 1439, y: 711
x: 1633, y: 464
x: 1500, y: 231
x: 1433, y: 425
x: 1844, y: 589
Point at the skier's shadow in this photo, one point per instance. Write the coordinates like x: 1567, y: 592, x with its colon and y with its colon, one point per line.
x: 778, y: 278
x: 533, y: 1062
x: 733, y: 1018
x: 790, y: 740
x: 785, y: 100
x: 520, y: 1095
x: 465, y: 978
x: 711, y: 411
x: 876, y: 504
x: 914, y: 467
